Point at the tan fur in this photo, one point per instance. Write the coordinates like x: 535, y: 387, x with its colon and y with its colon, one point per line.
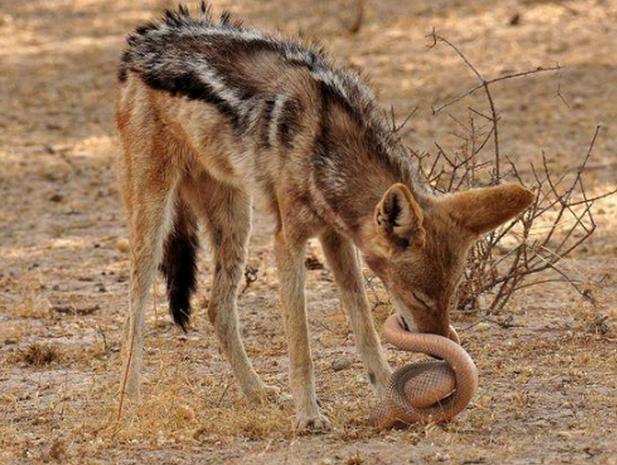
x: 181, y: 153
x: 482, y: 210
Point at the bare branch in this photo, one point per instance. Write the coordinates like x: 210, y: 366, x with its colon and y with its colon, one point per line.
x: 484, y: 83
x: 559, y: 94
x: 359, y: 19
x: 556, y: 224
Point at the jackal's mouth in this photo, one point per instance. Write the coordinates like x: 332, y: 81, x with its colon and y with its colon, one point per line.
x: 403, y: 323
x: 406, y: 322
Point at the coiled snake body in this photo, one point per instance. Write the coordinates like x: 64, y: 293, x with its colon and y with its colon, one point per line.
x: 432, y: 391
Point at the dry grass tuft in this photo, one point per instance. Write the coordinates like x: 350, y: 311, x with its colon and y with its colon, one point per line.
x: 601, y: 325
x: 355, y: 459
x: 591, y: 321
x: 31, y: 304
x: 57, y: 452
x: 179, y: 410
x: 40, y: 354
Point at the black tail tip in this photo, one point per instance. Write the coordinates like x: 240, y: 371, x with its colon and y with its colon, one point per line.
x: 179, y: 294
x: 180, y: 267
x: 181, y: 315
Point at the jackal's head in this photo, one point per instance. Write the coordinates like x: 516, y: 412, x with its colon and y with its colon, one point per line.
x: 419, y: 251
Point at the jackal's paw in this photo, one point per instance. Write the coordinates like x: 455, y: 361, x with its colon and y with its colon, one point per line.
x: 263, y: 393
x: 381, y: 388
x: 380, y: 382
x: 312, y: 423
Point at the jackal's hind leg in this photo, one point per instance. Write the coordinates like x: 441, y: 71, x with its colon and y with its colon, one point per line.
x: 150, y: 218
x: 227, y: 214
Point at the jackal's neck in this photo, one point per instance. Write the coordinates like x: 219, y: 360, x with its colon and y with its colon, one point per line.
x: 353, y: 170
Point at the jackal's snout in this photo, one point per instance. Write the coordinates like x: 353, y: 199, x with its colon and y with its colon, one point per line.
x: 439, y: 325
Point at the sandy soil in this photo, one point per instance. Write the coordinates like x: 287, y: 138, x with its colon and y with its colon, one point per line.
x: 548, y: 384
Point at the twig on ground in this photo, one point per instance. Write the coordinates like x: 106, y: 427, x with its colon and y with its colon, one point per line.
x: 359, y: 18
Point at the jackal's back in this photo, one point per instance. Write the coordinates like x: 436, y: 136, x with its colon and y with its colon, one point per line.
x: 230, y: 66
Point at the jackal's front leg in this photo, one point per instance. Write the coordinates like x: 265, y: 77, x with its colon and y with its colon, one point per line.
x: 342, y: 260
x: 290, y: 255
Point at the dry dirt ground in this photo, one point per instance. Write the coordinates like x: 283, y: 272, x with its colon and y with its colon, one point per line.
x: 548, y: 384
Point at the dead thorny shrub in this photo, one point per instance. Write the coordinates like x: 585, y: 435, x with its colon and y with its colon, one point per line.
x: 557, y: 223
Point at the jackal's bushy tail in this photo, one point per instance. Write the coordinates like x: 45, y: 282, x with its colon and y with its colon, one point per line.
x: 179, y: 265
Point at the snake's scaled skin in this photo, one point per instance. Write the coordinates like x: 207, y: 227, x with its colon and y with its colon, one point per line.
x: 432, y: 391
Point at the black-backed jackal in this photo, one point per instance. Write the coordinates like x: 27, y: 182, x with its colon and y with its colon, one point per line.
x: 213, y: 115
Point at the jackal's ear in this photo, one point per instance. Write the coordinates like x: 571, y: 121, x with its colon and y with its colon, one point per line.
x: 398, y: 219
x: 484, y: 209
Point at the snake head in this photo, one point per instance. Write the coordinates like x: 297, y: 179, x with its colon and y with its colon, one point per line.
x: 418, y: 245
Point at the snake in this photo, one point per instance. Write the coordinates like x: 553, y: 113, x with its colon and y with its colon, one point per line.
x: 429, y: 391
